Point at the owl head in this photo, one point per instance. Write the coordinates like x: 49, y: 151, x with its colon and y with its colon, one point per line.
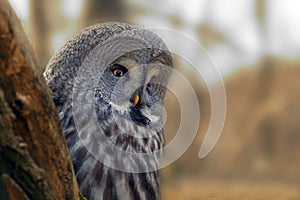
x: 125, y: 66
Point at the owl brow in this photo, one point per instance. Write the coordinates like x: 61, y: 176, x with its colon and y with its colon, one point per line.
x: 162, y: 56
x: 126, y: 62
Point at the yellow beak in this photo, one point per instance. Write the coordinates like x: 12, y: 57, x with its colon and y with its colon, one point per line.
x: 136, y: 99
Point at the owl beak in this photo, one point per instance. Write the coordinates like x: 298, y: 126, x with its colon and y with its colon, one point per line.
x: 136, y: 99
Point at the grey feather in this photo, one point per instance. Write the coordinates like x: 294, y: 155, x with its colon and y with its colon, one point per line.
x: 99, y: 113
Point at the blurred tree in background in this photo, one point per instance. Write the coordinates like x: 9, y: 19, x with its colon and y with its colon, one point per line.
x: 97, y: 11
x: 44, y: 21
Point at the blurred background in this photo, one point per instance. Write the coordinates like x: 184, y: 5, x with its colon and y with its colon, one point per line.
x: 255, y: 45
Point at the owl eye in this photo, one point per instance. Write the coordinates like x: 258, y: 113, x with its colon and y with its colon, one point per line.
x: 118, y: 70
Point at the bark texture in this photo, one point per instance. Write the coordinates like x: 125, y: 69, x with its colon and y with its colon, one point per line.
x: 34, y: 160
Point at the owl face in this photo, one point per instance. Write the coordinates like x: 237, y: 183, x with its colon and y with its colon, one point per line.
x: 134, y: 85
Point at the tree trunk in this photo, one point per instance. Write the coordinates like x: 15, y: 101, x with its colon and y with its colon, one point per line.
x: 267, y: 67
x: 97, y: 11
x: 41, y: 29
x: 34, y: 160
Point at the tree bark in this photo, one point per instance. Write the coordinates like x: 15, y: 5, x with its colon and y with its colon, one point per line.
x: 34, y: 159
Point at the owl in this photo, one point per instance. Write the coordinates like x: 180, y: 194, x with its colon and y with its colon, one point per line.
x: 109, y: 84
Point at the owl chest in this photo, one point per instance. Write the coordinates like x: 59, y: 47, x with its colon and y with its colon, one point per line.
x: 102, y: 182
x: 99, y: 181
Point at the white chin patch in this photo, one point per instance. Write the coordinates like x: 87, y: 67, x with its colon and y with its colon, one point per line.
x: 151, y: 117
x: 120, y: 108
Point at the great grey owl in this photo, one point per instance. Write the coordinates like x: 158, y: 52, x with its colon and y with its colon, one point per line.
x: 108, y: 84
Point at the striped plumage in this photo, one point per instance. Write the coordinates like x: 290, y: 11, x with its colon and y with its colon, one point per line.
x: 133, y: 125
x: 97, y: 181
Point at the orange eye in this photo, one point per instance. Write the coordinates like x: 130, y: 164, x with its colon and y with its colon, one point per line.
x: 118, y: 72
